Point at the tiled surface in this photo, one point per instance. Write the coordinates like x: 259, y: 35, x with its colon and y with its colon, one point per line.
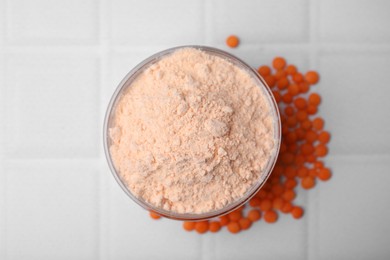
x: 50, y: 106
x: 61, y: 61
x: 53, y: 22
x: 51, y: 211
x: 367, y: 107
x: 170, y: 22
x: 362, y: 189
x: 354, y: 21
x: 259, y: 22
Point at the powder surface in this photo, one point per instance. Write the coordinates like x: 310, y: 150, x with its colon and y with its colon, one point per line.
x: 192, y: 133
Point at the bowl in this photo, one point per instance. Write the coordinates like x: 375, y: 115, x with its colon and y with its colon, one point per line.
x: 126, y: 83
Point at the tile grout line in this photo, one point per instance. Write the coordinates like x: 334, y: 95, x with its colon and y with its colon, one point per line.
x: 208, y: 242
x: 3, y: 174
x: 103, y: 23
x: 312, y: 199
x: 97, y: 49
x: 3, y: 177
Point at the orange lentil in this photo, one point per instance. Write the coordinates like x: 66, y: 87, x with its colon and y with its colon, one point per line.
x: 283, y: 147
x: 270, y: 80
x: 311, y: 109
x: 279, y: 63
x: 311, y: 136
x: 273, y: 181
x: 301, y: 134
x: 301, y: 115
x: 285, y: 130
x: 287, y: 158
x: 291, y: 121
x: 214, y: 226
x: 306, y: 125
x: 308, y: 182
x: 312, y: 77
x: 232, y: 41
x: 318, y: 123
x: 254, y: 215
x: 307, y: 149
x: 255, y: 202
x: 287, y: 207
x: 291, y: 138
x: 324, y: 137
x: 298, y: 77
x: 277, y: 189
x: 224, y: 220
x: 299, y: 159
x: 245, y: 223
x: 314, y: 99
x: 265, y: 205
x: 324, y: 174
x: 287, y: 98
x: 235, y: 215
x: 303, y: 87
x: 289, y: 195
x: 292, y: 147
x: 293, y: 89
x: 270, y: 216
x: 290, y: 172
x: 278, y: 170
x: 289, y: 111
x: 264, y: 70
x: 321, y: 150
x: 282, y: 83
x: 283, y: 119
x: 311, y: 158
x: 189, y: 225
x: 300, y: 103
x: 313, y: 173
x: 280, y: 74
x: 202, y: 226
x: 277, y: 203
x: 291, y: 69
x: 297, y: 212
x: 290, y: 183
x: 302, y: 172
x: 234, y: 227
x: 319, y: 164
x: 154, y: 215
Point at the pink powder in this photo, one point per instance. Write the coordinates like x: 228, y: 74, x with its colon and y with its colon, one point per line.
x: 193, y: 133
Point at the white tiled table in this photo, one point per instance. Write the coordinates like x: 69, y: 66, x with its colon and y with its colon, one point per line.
x: 60, y: 61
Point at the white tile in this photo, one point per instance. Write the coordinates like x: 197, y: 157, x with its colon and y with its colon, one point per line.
x: 154, y: 22
x: 353, y: 210
x: 51, y: 211
x: 53, y: 22
x: 133, y: 234
x: 284, y: 239
x: 52, y: 106
x: 355, y: 101
x: 2, y: 173
x: 264, y: 21
x: 2, y: 21
x: 352, y: 21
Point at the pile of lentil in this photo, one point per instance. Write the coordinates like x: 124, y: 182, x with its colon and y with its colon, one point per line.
x: 300, y: 161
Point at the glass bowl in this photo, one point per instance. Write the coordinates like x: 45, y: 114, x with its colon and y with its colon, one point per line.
x: 132, y: 75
